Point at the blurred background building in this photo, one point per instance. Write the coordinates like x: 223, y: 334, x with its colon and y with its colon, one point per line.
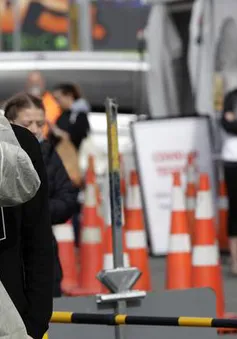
x: 110, y: 30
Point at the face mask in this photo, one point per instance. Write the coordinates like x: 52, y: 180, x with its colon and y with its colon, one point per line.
x: 40, y: 139
x: 35, y: 90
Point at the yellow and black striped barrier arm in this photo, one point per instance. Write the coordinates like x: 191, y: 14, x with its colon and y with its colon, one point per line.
x: 122, y: 319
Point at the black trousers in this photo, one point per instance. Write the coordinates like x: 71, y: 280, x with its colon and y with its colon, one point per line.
x: 230, y: 172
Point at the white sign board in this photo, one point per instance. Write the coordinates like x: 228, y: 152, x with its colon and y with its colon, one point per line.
x: 162, y: 147
x: 97, y: 143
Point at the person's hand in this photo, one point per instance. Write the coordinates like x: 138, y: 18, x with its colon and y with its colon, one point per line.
x: 229, y: 116
x: 58, y: 132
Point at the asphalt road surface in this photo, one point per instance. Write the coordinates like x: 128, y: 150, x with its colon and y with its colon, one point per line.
x: 230, y: 283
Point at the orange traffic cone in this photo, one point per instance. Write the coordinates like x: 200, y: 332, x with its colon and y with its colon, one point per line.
x: 91, y: 255
x: 191, y: 192
x: 179, y: 258
x: 205, y: 259
x: 108, y: 244
x: 136, y: 235
x: 223, y: 215
x: 64, y: 235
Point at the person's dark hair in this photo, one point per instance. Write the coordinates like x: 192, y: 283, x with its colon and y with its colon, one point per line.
x: 21, y: 101
x: 230, y: 101
x: 69, y: 89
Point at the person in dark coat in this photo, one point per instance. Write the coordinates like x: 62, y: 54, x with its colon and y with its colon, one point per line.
x: 73, y: 123
x: 28, y: 111
x: 63, y: 197
x: 61, y: 191
x: 229, y: 157
x: 26, y: 252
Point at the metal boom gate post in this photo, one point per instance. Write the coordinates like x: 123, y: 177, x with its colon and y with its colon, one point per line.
x: 118, y: 280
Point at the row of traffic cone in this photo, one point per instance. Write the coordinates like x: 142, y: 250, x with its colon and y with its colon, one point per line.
x: 96, y: 247
x: 194, y: 263
x: 191, y: 193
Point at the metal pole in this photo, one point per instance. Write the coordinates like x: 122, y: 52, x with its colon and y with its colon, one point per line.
x: 1, y: 35
x: 17, y: 25
x: 214, y: 116
x: 119, y: 279
x: 115, y: 197
x: 141, y: 48
x: 73, y: 39
x: 124, y: 319
x: 84, y: 27
x: 114, y: 180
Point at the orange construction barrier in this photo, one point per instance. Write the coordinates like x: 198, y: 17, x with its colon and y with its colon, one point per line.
x: 136, y: 235
x: 223, y: 215
x: 179, y: 258
x: 205, y: 259
x: 64, y: 235
x: 91, y: 251
x: 191, y: 191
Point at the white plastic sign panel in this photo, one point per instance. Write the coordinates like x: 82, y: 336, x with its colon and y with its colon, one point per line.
x: 162, y: 147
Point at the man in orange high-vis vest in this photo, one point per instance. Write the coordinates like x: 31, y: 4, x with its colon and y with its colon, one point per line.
x: 35, y: 85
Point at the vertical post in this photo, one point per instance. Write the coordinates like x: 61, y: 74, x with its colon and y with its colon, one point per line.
x: 84, y: 27
x: 210, y: 35
x: 17, y: 26
x: 141, y: 48
x: 114, y: 182
x: 73, y: 19
x: 118, y: 279
x: 115, y: 198
x: 1, y: 33
x: 214, y: 118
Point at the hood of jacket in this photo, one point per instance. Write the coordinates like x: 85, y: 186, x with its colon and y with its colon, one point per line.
x: 80, y: 105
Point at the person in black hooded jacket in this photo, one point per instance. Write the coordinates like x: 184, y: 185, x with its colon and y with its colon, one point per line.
x: 28, y: 111
x: 62, y: 199
x: 73, y: 125
x: 62, y: 194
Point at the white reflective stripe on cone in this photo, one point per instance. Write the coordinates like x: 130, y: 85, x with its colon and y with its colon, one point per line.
x: 109, y: 264
x: 135, y: 239
x: 90, y: 196
x: 126, y: 262
x: 134, y: 198
x: 204, y: 207
x: 63, y: 232
x: 205, y: 255
x: 179, y: 243
x: 223, y: 203
x: 178, y: 201
x: 91, y: 235
x: 191, y: 204
x: 107, y: 212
